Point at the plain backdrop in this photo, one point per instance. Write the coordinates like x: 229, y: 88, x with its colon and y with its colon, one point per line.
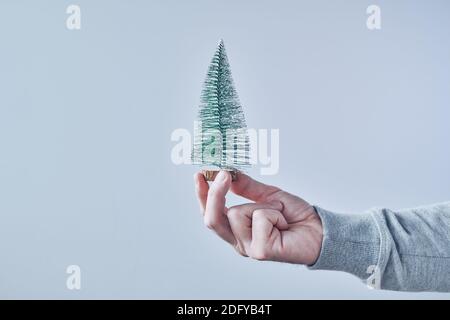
x: 86, y: 176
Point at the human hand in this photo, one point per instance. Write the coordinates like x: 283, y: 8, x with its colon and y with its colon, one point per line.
x: 277, y: 226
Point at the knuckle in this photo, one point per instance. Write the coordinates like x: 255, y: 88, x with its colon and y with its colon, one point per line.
x: 210, y: 223
x: 259, y: 213
x: 260, y: 253
x: 233, y: 213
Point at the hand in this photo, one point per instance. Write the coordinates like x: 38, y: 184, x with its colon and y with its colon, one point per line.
x: 277, y: 226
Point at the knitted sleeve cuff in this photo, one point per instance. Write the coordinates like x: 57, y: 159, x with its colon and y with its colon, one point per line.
x: 351, y: 243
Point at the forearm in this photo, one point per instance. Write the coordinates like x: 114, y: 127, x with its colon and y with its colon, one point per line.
x: 409, y: 249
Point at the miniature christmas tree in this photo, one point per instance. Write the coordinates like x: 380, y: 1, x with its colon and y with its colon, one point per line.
x: 221, y: 140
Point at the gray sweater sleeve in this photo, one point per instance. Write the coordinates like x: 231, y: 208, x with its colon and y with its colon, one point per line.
x: 404, y: 250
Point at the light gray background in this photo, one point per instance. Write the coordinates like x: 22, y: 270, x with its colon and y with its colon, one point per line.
x: 86, y: 117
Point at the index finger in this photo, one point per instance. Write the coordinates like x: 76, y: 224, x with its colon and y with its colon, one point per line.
x: 252, y: 189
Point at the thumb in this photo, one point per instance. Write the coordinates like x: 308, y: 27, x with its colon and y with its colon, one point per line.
x: 217, y: 192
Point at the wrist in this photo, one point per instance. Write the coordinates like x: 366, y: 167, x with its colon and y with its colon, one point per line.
x: 316, y: 231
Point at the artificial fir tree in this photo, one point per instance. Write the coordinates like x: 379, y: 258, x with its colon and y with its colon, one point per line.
x: 221, y: 140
